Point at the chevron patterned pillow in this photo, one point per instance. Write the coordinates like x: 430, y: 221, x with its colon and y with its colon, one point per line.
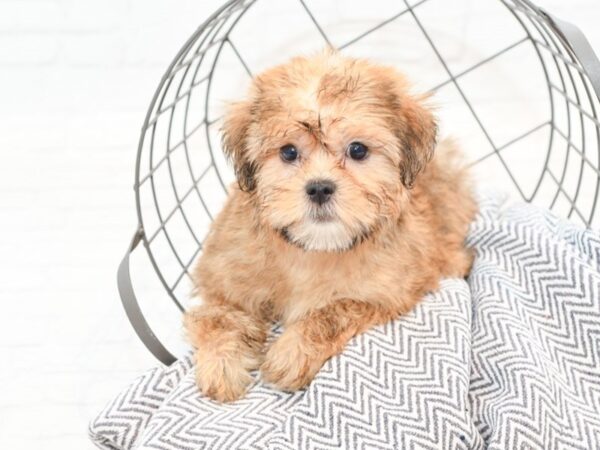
x: 508, y: 359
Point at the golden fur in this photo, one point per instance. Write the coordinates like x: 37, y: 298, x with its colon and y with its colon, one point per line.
x: 394, y: 227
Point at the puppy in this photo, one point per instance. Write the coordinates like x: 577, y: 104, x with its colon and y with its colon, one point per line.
x: 341, y: 221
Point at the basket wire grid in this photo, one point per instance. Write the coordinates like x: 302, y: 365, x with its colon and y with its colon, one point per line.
x: 181, y: 176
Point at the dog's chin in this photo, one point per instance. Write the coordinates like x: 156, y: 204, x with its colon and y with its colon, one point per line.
x: 322, y: 236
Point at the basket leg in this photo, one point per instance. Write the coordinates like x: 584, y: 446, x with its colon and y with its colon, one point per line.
x: 132, y: 307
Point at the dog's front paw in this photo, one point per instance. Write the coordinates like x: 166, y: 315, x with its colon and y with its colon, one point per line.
x: 223, y: 379
x: 290, y: 364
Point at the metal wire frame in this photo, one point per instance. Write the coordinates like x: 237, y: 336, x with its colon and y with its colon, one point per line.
x: 541, y: 33
x: 206, y: 39
x: 550, y: 44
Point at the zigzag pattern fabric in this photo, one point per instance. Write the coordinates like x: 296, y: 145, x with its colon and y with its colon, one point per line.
x: 509, y: 359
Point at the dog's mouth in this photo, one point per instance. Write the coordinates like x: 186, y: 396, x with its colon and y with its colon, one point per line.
x: 321, y: 214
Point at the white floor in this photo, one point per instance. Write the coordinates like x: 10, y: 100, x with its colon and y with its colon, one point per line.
x: 75, y: 80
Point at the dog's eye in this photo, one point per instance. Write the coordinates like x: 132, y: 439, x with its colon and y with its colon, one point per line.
x: 357, y: 151
x: 288, y: 153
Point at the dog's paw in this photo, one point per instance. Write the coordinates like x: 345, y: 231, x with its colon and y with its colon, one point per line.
x: 290, y: 364
x: 223, y: 379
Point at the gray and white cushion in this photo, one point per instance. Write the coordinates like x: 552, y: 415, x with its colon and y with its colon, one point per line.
x: 508, y: 359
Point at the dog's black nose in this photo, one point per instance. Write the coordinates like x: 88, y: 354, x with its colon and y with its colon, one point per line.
x: 320, y: 191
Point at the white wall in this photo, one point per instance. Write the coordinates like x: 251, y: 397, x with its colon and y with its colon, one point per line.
x: 76, y: 77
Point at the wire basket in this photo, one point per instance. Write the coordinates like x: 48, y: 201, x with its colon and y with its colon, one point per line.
x: 518, y: 87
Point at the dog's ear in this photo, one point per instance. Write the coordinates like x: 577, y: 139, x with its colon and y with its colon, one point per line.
x: 417, y: 133
x: 236, y: 124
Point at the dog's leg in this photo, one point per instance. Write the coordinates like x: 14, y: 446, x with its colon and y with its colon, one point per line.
x: 229, y: 344
x: 297, y: 355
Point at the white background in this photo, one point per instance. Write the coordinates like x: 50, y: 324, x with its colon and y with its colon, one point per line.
x: 76, y: 77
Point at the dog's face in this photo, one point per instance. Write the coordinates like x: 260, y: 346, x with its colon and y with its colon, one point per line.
x: 329, y: 147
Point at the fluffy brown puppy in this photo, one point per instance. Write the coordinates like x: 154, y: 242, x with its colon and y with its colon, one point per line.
x: 342, y: 220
